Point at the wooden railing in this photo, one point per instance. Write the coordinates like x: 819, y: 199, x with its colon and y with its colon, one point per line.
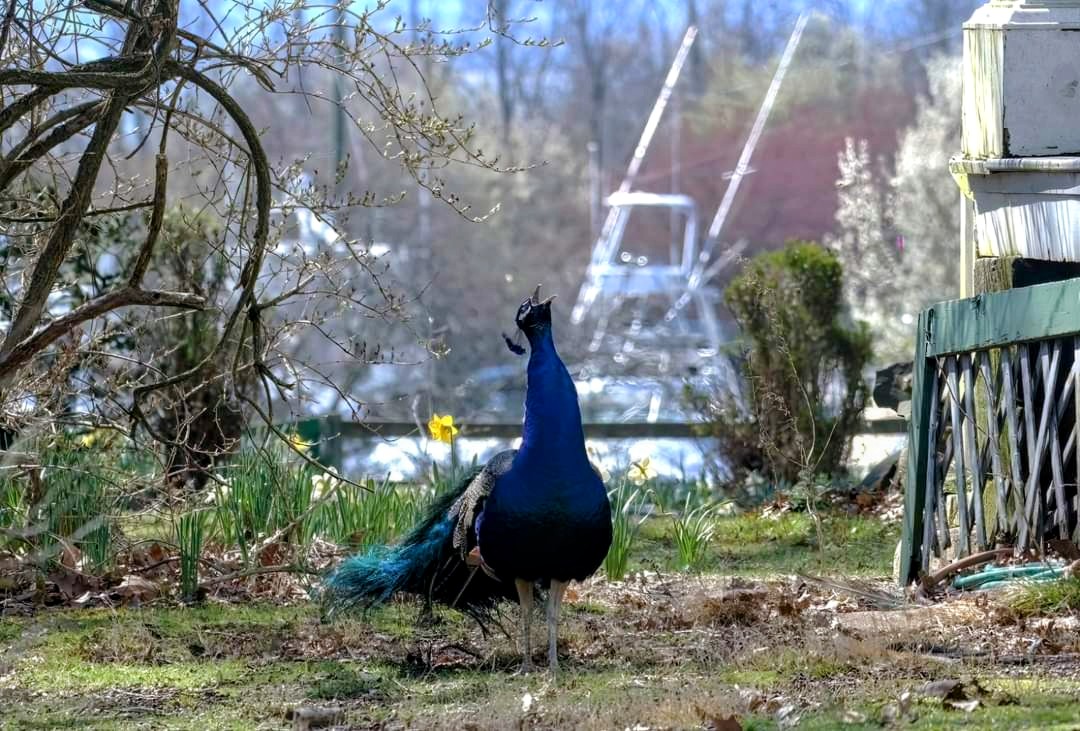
x: 994, y: 413
x: 601, y: 430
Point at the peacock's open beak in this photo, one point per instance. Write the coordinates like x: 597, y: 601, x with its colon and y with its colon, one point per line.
x: 535, y: 299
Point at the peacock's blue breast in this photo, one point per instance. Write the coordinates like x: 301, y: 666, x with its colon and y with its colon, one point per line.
x: 545, y: 524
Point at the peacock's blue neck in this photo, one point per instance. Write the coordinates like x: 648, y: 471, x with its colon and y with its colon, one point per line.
x: 552, y: 416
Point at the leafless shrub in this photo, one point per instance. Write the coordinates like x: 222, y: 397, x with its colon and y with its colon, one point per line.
x: 120, y: 307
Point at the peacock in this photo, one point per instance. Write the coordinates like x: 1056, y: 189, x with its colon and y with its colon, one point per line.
x: 534, y: 517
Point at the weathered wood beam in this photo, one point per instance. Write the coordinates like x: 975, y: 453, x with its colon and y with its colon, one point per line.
x: 1040, y: 312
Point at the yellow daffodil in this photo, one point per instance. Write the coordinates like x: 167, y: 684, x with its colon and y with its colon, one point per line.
x: 100, y: 438
x: 593, y: 453
x: 218, y: 492
x: 442, y: 428
x: 299, y: 444
x: 322, y: 484
x: 641, y: 471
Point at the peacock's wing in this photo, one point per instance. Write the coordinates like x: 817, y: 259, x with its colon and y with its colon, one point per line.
x: 471, y: 502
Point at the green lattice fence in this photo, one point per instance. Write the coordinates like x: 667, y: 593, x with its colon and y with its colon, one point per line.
x: 992, y: 456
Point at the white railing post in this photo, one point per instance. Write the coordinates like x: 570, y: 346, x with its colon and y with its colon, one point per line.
x: 1019, y: 163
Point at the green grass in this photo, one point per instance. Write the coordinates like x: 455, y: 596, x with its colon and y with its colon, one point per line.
x: 1037, y: 711
x: 56, y: 676
x: 57, y: 673
x: 1051, y: 597
x: 751, y: 545
x: 10, y: 630
x: 627, y: 501
x: 343, y: 682
x: 221, y: 666
x: 753, y: 678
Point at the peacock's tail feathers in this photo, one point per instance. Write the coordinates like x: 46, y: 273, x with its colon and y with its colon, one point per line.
x: 424, y: 563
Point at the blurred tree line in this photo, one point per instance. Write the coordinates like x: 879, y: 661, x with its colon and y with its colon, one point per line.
x: 568, y: 116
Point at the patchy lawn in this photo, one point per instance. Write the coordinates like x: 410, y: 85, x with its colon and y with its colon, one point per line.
x: 755, y: 545
x: 660, y: 650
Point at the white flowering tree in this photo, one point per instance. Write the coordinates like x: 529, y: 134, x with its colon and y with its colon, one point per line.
x: 897, y: 230
x: 924, y: 199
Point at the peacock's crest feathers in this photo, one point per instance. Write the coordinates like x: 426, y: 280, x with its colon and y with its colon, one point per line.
x: 515, y: 348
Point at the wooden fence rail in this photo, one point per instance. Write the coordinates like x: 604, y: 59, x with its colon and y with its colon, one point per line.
x: 332, y: 427
x: 329, y: 434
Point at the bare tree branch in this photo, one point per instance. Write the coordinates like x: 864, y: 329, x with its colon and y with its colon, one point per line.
x: 129, y: 296
x: 78, y: 201
x: 243, y: 315
x: 5, y: 29
x: 157, y: 217
x: 21, y: 157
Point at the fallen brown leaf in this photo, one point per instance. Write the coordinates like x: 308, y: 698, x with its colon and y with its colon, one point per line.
x: 1065, y: 548
x: 730, y: 723
x: 69, y: 554
x: 715, y: 722
x: 945, y: 689
x: 273, y: 554
x: 136, y: 587
x: 866, y: 500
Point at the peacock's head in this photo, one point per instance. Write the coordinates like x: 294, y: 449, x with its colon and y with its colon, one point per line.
x: 534, y: 315
x: 533, y: 319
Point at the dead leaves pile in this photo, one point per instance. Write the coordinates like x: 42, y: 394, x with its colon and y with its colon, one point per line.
x: 150, y: 571
x: 670, y: 603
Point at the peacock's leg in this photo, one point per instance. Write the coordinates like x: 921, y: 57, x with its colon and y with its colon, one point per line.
x: 525, y: 599
x: 555, y: 596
